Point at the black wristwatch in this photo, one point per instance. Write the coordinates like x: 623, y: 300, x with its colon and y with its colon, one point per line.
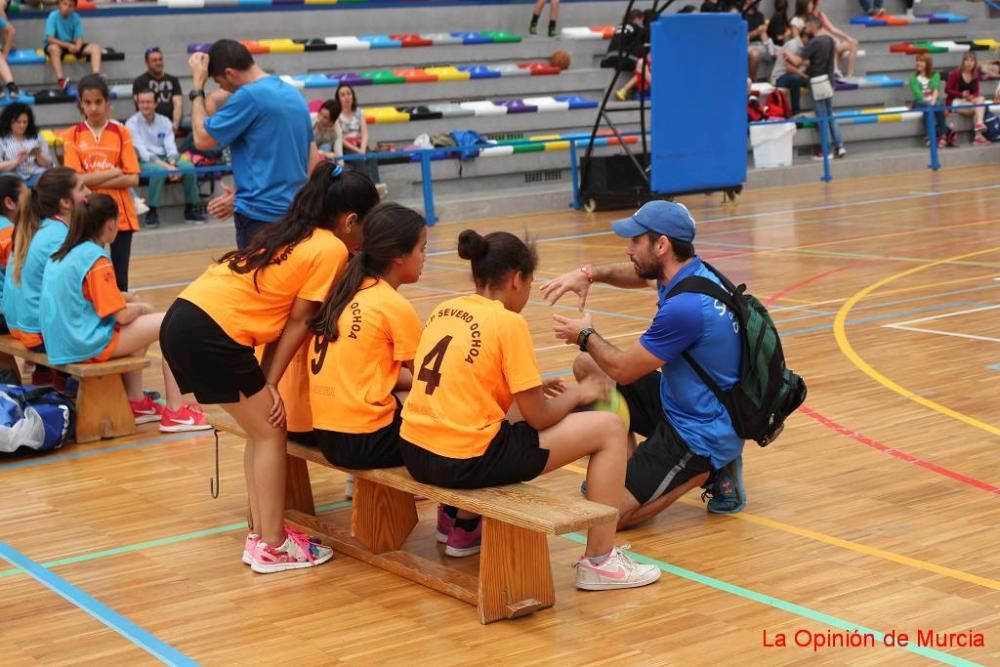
x: 195, y: 94
x: 583, y: 337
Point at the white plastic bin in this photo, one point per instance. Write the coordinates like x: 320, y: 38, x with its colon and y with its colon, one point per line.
x: 772, y: 144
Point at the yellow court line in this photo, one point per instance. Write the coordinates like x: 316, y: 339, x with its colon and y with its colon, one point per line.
x: 846, y: 544
x: 840, y: 334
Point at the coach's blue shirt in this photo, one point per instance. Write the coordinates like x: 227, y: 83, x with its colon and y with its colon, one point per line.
x: 266, y: 124
x: 709, y: 332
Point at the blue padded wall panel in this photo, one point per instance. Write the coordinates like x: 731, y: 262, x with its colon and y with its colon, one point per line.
x: 699, y: 100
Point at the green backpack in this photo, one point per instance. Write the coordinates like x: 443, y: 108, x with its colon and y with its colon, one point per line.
x: 767, y: 391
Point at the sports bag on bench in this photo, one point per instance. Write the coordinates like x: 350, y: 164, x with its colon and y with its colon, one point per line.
x: 36, y: 418
x: 767, y: 391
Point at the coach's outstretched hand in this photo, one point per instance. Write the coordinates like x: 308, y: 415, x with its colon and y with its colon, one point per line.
x: 569, y: 329
x: 572, y: 281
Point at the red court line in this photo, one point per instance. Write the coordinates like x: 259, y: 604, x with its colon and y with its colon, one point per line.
x: 840, y: 429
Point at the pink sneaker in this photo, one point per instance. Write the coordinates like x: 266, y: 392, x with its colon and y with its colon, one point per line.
x: 188, y: 418
x: 296, y: 552
x: 249, y: 546
x: 445, y: 523
x: 981, y: 140
x: 147, y: 410
x: 462, y: 542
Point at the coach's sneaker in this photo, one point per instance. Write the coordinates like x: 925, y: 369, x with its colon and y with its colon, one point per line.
x: 296, y: 552
x: 249, y: 546
x: 463, y: 541
x: 446, y: 521
x: 188, y: 418
x: 727, y: 495
x: 146, y: 410
x: 617, y: 570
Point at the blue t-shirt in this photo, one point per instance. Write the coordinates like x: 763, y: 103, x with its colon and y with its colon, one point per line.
x: 64, y: 29
x: 709, y: 332
x: 259, y: 117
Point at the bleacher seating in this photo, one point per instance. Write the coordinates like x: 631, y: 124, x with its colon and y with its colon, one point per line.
x: 898, y: 21
x: 950, y: 46
x: 39, y: 57
x: 368, y: 42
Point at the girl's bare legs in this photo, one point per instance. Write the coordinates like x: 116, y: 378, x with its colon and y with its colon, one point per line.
x: 134, y: 338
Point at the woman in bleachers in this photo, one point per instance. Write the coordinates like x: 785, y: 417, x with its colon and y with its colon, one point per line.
x: 326, y: 131
x: 803, y: 10
x: 22, y: 151
x: 962, y: 89
x: 354, y: 131
x: 846, y: 45
x: 925, y: 84
x: 779, y: 30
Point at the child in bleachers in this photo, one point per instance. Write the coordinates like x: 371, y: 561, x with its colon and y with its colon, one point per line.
x: 537, y: 13
x: 12, y: 189
x: 642, y: 80
x: 326, y: 131
x: 962, y: 89
x: 266, y: 295
x: 363, y: 343
x: 101, y: 150
x: 64, y: 36
x: 41, y: 228
x: 85, y: 318
x: 354, y: 131
x: 475, y: 361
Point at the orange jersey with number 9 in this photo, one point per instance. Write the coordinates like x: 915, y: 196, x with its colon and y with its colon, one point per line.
x: 473, y: 356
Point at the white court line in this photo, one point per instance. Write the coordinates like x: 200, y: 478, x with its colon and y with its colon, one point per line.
x: 941, y: 316
x: 562, y: 345
x: 942, y: 333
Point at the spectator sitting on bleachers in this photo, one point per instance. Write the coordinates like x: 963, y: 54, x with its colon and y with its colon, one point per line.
x: 64, y: 36
x: 846, y: 45
x: 758, y: 54
x: 22, y: 151
x: 779, y: 30
x: 925, y: 84
x: 326, y: 131
x: 787, y: 75
x: 167, y: 88
x: 354, y: 130
x: 803, y: 10
x: 153, y: 138
x: 874, y: 7
x: 631, y: 39
x: 962, y: 88
x: 642, y: 81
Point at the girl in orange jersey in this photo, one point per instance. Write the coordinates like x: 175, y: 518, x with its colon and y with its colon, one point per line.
x: 364, y: 340
x: 474, y: 361
x: 266, y: 294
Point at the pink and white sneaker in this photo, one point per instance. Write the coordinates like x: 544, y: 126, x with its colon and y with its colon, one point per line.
x: 188, y: 418
x: 445, y: 523
x: 617, y: 570
x: 462, y: 542
x: 296, y: 552
x: 249, y: 546
x: 145, y: 411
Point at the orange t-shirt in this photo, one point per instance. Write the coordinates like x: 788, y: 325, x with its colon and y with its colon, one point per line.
x: 87, y: 152
x: 352, y: 378
x: 256, y: 315
x: 101, y: 289
x: 6, y: 245
x: 473, y: 356
x: 294, y: 391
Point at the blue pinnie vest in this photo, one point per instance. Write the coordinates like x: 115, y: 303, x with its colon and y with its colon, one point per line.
x: 21, y: 300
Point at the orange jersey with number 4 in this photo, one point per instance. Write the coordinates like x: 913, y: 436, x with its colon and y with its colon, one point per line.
x: 473, y: 356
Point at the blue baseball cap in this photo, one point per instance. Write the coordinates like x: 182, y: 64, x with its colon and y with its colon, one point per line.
x: 661, y: 217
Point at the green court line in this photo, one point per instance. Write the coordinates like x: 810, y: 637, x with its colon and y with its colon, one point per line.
x: 790, y: 607
x: 149, y: 544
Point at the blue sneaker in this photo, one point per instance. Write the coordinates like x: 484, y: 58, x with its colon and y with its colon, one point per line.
x: 727, y: 495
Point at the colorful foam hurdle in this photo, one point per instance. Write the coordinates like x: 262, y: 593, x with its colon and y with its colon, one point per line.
x: 919, y: 19
x: 280, y: 45
x: 447, y: 73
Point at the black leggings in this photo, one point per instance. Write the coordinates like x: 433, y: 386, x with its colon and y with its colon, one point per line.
x: 121, y: 251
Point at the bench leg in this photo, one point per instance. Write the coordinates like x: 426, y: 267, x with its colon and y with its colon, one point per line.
x: 381, y: 518
x: 515, y: 575
x: 102, y: 409
x: 298, y: 489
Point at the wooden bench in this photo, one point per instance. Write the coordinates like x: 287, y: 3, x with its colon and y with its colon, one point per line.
x: 102, y: 408
x: 515, y: 574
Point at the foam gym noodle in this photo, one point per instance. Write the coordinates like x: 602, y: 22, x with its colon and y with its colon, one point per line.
x: 511, y: 69
x: 448, y: 73
x: 502, y: 37
x: 315, y: 105
x: 516, y: 106
x: 480, y: 71
x: 450, y: 110
x: 546, y: 104
x: 410, y: 40
x: 386, y: 115
x: 253, y: 46
x: 354, y: 79
x: 441, y: 38
x: 577, y: 101
x: 294, y: 83
x: 484, y: 108
x: 420, y: 113
x: 472, y: 37
x: 315, y: 44
x: 540, y: 69
x: 580, y: 32
x: 26, y: 57
x: 282, y: 45
x: 23, y: 98
x: 348, y: 43
x: 990, y: 44
x: 415, y: 75
x: 381, y: 41
x: 385, y: 76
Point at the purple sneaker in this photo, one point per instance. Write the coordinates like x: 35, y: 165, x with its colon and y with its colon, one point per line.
x: 445, y: 523
x: 462, y: 542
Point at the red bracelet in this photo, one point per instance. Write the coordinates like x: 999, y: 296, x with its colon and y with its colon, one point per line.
x: 589, y: 272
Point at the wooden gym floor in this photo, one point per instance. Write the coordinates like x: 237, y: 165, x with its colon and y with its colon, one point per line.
x: 877, y: 509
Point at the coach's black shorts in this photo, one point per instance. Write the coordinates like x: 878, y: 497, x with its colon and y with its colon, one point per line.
x: 663, y: 462
x: 513, y: 456
x: 204, y: 359
x: 363, y: 451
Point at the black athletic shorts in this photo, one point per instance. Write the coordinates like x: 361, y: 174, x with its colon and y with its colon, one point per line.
x: 363, y: 451
x: 513, y: 456
x: 65, y: 52
x: 663, y: 462
x: 204, y: 359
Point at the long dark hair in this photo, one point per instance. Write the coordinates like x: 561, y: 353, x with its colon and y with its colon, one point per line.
x: 495, y: 255
x: 391, y: 231
x: 328, y: 193
x: 45, y: 200
x: 89, y: 218
x: 354, y: 99
x: 10, y: 186
x: 11, y: 113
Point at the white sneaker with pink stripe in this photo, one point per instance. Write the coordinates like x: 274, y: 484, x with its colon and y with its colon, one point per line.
x: 296, y: 552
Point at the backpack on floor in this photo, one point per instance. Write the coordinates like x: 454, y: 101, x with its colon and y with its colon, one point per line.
x: 992, y: 131
x: 35, y: 418
x: 767, y: 391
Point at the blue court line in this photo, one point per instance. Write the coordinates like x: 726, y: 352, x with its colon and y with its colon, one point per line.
x: 777, y: 603
x: 100, y: 611
x: 43, y: 460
